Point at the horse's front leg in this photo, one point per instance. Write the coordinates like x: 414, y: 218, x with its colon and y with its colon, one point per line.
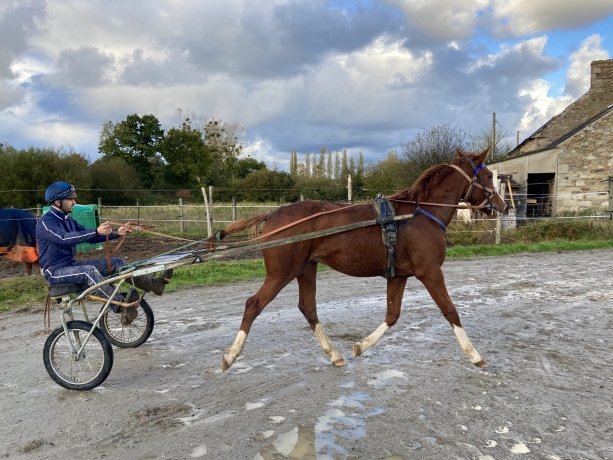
x: 253, y: 307
x: 434, y: 281
x: 395, y: 290
x: 307, y: 305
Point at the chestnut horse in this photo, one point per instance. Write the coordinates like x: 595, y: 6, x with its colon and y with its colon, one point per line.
x: 420, y: 249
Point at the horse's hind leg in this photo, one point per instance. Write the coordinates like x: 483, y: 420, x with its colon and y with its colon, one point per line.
x: 308, y: 307
x: 435, y: 284
x: 253, y: 307
x: 395, y: 289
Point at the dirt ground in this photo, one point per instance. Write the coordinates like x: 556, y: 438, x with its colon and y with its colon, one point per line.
x: 543, y: 321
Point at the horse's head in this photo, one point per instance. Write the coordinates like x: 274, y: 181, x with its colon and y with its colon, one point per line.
x: 481, y: 190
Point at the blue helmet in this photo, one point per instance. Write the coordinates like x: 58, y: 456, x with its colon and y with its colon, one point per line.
x: 59, y: 191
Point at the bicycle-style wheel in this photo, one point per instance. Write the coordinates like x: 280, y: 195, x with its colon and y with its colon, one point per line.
x: 93, y: 366
x: 126, y: 332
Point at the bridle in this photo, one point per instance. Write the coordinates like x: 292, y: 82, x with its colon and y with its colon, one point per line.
x: 473, y: 183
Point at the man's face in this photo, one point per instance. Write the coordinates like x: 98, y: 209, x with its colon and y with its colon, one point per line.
x: 66, y: 205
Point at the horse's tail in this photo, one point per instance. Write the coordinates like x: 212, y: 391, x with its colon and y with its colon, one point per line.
x: 251, y: 224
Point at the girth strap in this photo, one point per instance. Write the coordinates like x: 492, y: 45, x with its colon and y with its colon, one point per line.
x: 386, y: 213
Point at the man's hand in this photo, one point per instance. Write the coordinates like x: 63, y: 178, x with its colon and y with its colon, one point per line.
x: 123, y: 231
x: 104, y: 229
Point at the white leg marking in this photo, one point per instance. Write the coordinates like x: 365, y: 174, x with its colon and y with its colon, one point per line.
x: 326, y: 344
x: 374, y: 337
x: 236, y: 348
x: 466, y: 345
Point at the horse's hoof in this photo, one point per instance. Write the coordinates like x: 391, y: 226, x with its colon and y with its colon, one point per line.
x: 482, y: 364
x: 339, y: 362
x: 224, y: 364
x: 357, y: 350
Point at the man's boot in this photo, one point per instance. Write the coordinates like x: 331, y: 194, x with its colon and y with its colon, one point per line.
x: 129, y: 314
x: 149, y: 283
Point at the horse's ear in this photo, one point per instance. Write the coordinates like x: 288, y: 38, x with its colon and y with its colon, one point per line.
x: 483, y: 155
x: 460, y: 153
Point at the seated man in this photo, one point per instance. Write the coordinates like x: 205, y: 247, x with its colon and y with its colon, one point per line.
x: 58, y: 234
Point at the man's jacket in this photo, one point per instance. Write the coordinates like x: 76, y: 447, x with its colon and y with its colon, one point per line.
x: 57, y: 235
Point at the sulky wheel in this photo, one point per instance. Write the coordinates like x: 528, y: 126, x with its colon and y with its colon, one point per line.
x: 127, y: 332
x: 93, y: 366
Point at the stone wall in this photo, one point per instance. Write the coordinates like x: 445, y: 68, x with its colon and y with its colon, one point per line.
x: 584, y: 161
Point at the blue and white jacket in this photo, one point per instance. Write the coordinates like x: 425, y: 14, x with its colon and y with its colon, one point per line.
x: 57, y: 236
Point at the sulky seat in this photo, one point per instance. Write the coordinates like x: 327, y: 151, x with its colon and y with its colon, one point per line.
x: 64, y: 289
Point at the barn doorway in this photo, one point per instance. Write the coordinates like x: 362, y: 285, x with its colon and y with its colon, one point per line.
x: 539, y: 202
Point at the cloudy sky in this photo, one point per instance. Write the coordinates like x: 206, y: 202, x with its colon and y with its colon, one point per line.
x: 361, y: 75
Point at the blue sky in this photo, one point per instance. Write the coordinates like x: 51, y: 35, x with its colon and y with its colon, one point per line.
x: 297, y: 74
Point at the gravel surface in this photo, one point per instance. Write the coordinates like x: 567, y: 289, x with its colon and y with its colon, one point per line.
x: 543, y: 322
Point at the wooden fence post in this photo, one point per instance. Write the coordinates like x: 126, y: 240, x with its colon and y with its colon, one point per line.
x: 211, y: 206
x: 39, y: 210
x: 499, y: 219
x: 610, y: 180
x: 233, y: 209
x: 100, y: 208
x: 181, y: 221
x: 209, y: 230
x: 349, y: 190
x: 137, y: 212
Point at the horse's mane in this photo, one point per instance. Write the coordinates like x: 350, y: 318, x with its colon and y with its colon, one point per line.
x: 424, y: 183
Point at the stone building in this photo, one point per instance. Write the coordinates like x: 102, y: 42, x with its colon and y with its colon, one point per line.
x: 564, y: 163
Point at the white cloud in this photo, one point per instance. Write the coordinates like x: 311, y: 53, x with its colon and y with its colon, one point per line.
x: 442, y: 20
x: 541, y: 107
x: 522, y: 17
x: 578, y: 73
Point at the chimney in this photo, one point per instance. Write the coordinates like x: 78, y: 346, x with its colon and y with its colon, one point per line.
x: 602, y: 76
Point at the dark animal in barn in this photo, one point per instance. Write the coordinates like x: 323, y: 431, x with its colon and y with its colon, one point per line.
x: 18, y: 237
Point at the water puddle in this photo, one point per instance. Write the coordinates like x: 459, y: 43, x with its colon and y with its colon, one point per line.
x: 520, y: 448
x: 382, y: 378
x: 199, y: 451
x: 251, y: 406
x: 334, y: 435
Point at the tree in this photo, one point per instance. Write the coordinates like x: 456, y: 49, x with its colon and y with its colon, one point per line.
x: 246, y: 166
x: 226, y: 142
x: 138, y: 141
x: 386, y: 176
x: 337, y: 166
x: 26, y: 174
x: 114, y: 173
x: 265, y: 185
x: 483, y: 139
x: 433, y: 146
x: 188, y: 160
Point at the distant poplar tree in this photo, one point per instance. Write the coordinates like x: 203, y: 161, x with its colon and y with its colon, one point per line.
x: 293, y: 163
x: 314, y: 166
x: 307, y: 165
x: 337, y: 166
x: 329, y: 171
x: 321, y: 166
x: 345, y: 166
x: 360, y: 164
x: 352, y: 165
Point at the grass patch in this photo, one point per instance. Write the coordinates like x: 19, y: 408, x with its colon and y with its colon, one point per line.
x: 22, y: 292
x: 215, y: 272
x: 514, y: 248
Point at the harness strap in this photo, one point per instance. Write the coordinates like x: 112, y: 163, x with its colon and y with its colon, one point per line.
x: 419, y: 210
x: 386, y: 213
